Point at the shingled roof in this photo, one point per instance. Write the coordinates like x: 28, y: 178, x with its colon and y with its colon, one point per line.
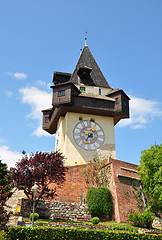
x: 87, y: 71
x: 92, y: 95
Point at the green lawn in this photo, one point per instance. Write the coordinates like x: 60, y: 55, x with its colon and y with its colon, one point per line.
x: 111, y: 225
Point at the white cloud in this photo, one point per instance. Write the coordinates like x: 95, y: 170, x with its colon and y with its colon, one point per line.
x: 8, y: 156
x: 38, y: 100
x: 18, y: 75
x: 142, y: 112
x: 40, y: 83
x: 8, y: 93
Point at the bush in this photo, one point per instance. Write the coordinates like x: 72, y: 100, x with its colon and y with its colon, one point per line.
x: 2, y: 235
x: 99, y: 202
x: 50, y: 233
x: 36, y: 216
x: 144, y: 219
x: 95, y: 220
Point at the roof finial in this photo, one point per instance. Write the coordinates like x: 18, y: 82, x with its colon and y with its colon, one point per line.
x: 85, y: 39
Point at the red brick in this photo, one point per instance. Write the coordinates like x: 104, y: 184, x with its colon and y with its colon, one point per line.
x: 124, y: 200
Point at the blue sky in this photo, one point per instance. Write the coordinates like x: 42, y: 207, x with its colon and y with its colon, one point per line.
x: 40, y: 37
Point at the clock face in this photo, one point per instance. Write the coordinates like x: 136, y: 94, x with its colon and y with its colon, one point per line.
x: 88, y: 135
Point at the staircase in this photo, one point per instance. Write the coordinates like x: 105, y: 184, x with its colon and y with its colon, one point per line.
x: 11, y: 204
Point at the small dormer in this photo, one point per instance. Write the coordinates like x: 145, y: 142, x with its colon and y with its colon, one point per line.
x: 121, y: 108
x: 84, y: 72
x: 46, y: 118
x: 62, y: 93
x: 61, y: 77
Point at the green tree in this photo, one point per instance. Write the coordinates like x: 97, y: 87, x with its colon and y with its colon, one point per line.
x: 5, y: 187
x: 150, y: 173
x: 5, y: 176
x: 97, y: 172
x: 99, y: 202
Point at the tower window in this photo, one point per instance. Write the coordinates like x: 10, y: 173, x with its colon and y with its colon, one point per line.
x: 82, y: 89
x: 46, y: 119
x: 92, y: 120
x: 61, y: 93
x: 117, y: 100
x: 125, y: 103
x: 99, y: 91
x: 80, y: 118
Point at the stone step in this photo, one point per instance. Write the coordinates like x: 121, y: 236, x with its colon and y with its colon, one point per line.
x: 14, y: 199
x: 12, y: 221
x: 11, y: 204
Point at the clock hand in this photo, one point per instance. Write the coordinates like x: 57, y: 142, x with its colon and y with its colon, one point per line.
x: 90, y: 135
x: 92, y: 129
x: 86, y: 132
x: 87, y: 137
x: 85, y: 140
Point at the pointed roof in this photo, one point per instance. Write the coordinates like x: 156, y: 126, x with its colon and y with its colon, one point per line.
x: 87, y: 71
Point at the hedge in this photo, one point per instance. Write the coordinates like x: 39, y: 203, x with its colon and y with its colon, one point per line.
x: 99, y: 201
x: 49, y: 233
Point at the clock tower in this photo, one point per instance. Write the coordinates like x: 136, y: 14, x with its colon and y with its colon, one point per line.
x: 84, y: 111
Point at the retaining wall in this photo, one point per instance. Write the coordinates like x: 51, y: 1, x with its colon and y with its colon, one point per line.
x: 64, y: 211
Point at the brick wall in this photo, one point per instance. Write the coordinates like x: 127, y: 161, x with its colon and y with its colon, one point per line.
x: 123, y: 185
x: 71, y: 189
x: 123, y: 176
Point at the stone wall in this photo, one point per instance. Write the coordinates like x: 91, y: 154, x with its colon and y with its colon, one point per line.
x: 157, y: 223
x: 63, y: 211
x: 42, y: 208
x: 69, y: 212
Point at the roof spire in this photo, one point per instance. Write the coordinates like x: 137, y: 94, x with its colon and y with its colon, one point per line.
x: 85, y: 39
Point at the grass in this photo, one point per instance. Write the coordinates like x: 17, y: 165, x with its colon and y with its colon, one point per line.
x: 2, y: 234
x: 115, y: 224
x: 39, y: 220
x: 111, y: 225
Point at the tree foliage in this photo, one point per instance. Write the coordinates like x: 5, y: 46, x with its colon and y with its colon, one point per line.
x: 99, y: 202
x: 144, y: 219
x: 150, y: 173
x: 47, y: 169
x: 5, y: 177
x: 97, y: 172
x: 5, y: 187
